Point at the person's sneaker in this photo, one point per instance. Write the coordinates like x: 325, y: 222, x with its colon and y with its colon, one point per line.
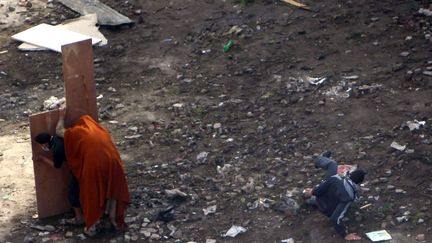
x: 326, y: 154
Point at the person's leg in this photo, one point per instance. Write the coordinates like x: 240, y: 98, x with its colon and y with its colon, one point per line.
x: 329, y: 165
x: 74, y: 199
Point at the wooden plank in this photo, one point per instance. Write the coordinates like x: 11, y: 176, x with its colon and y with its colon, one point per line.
x: 51, y: 37
x: 51, y: 183
x: 80, y: 86
x: 105, y: 14
x: 297, y: 4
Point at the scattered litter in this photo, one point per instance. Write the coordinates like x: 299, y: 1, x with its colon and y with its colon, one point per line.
x: 366, y: 206
x: 48, y: 228
x: 3, y: 52
x: 352, y: 77
x: 228, y: 46
x: 210, y: 210
x: 313, y: 81
x: 415, y: 125
x: 85, y: 25
x: 105, y: 14
x: 288, y: 206
x: 261, y: 203
x: 427, y: 73
x: 234, y: 231
x: 202, y: 157
x: 51, y: 37
x: 223, y: 170
x: 297, y: 4
x: 290, y: 240
x: 235, y: 30
x: 175, y: 193
x: 397, y: 146
x: 250, y: 186
x: 53, y: 103
x: 425, y: 12
x: 379, y: 235
x: 133, y: 136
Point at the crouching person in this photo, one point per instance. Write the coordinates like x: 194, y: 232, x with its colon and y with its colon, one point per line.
x: 98, y: 187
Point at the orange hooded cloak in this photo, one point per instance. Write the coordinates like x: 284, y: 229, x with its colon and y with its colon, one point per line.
x: 95, y: 162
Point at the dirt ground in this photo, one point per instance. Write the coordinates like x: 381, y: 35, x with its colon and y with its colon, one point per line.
x: 178, y: 107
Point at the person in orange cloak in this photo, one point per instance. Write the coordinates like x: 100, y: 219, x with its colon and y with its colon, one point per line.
x: 96, y: 165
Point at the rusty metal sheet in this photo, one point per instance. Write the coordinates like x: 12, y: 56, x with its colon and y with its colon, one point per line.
x: 51, y: 183
x: 79, y: 83
x: 105, y: 14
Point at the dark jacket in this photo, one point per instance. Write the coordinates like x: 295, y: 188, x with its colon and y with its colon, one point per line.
x: 334, y: 196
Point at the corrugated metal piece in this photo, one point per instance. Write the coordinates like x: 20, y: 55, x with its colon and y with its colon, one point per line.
x: 105, y: 14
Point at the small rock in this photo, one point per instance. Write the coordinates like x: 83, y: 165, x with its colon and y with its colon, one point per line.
x: 202, y: 157
x: 11, y: 9
x: 399, y: 191
x: 155, y: 237
x: 129, y: 220
x: 420, y: 237
x: 404, y: 54
x: 427, y: 73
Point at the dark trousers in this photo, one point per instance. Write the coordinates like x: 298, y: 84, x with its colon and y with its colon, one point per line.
x: 329, y: 165
x: 73, y: 193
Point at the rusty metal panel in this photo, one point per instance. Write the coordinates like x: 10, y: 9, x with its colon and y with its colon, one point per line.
x: 105, y: 14
x: 51, y: 183
x: 80, y: 86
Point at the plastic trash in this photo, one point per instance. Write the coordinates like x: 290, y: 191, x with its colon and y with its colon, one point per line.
x: 228, y: 46
x: 235, y: 230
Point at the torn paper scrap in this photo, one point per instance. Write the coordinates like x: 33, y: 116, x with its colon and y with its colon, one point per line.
x: 51, y: 37
x: 415, y: 125
x: 85, y: 25
x: 397, y: 146
x: 379, y: 235
x: 235, y: 230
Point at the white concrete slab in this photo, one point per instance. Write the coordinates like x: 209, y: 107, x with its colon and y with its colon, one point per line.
x: 51, y: 37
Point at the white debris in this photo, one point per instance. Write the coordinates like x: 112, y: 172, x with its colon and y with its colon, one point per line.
x: 53, y: 103
x: 415, y: 125
x: 313, y: 81
x: 397, y: 146
x: 425, y: 11
x: 290, y: 240
x: 234, y: 231
x: 210, y: 210
x: 202, y: 157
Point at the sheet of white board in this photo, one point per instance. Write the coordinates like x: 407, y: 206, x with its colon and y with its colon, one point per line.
x: 380, y: 235
x: 85, y: 25
x: 50, y: 37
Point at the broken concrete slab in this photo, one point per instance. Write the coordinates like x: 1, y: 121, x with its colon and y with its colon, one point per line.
x: 105, y: 14
x: 51, y: 37
x: 80, y: 86
x: 51, y: 183
x: 85, y: 25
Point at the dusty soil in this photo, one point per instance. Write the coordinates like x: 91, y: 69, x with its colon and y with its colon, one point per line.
x: 167, y: 79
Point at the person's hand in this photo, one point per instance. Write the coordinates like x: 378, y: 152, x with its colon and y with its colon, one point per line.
x: 352, y: 236
x: 307, y: 192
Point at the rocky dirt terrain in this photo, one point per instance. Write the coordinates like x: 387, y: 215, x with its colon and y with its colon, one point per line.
x: 218, y: 138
